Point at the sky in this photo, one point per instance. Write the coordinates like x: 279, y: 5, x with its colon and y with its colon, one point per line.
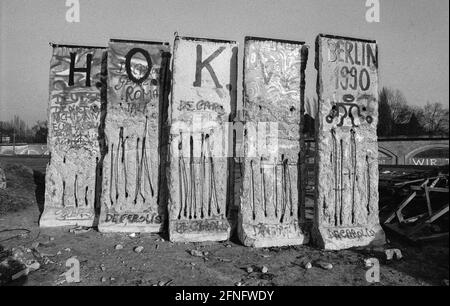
x: 413, y: 38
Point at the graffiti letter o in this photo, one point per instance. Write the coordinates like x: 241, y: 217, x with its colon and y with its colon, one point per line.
x: 128, y: 58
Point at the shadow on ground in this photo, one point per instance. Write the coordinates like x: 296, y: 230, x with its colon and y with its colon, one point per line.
x: 39, y: 180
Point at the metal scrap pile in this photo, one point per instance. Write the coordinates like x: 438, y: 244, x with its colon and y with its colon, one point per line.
x: 414, y: 202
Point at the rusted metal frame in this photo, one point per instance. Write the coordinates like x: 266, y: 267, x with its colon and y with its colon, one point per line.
x: 430, y: 220
x: 398, y: 211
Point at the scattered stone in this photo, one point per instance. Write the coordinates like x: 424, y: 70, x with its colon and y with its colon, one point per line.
x: 228, y: 245
x: 112, y: 279
x: 132, y: 235
x: 60, y: 281
x: 52, y: 238
x: 118, y: 247
x: 18, y: 275
x: 47, y: 261
x: 398, y: 254
x: 80, y: 230
x: 138, y: 249
x: 324, y: 265
x: 47, y: 255
x: 34, y: 266
x: 67, y: 249
x: 196, y: 253
x: 238, y: 284
x: 264, y: 269
x: 368, y: 263
x: 304, y: 262
x: 249, y: 269
x: 103, y: 279
x: 18, y: 253
x: 390, y: 253
x: 59, y: 253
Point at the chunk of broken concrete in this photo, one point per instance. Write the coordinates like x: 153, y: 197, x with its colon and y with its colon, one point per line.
x: 390, y: 253
x: 79, y: 230
x: 196, y: 253
x: 138, y: 249
x: 33, y: 266
x: 369, y: 262
x: 324, y: 265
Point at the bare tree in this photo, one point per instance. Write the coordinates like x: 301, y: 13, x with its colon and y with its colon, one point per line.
x: 385, y: 121
x: 40, y: 131
x: 400, y: 110
x: 434, y: 118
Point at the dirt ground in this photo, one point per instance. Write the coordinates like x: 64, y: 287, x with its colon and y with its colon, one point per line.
x: 172, y: 264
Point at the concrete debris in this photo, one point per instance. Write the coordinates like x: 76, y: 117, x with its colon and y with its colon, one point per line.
x: 368, y: 263
x: 80, y: 230
x: 324, y: 265
x: 138, y: 249
x: 304, y: 262
x: 198, y: 253
x: 391, y: 253
x: 21, y: 273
